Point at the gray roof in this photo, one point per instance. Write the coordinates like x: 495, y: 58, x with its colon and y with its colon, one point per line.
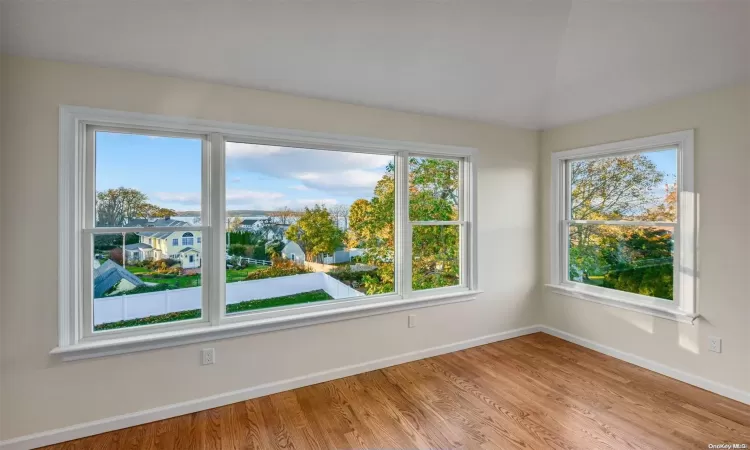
x: 138, y: 246
x: 249, y: 222
x: 158, y: 223
x: 109, y: 274
x: 188, y: 249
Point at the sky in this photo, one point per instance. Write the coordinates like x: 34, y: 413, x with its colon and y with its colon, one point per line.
x: 259, y: 177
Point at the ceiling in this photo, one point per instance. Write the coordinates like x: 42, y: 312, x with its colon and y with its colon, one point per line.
x: 528, y: 63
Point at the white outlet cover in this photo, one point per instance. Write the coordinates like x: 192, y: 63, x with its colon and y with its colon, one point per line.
x: 714, y: 344
x: 208, y: 356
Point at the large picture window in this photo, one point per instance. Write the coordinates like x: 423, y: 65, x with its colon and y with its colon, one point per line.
x: 263, y: 229
x: 623, y: 224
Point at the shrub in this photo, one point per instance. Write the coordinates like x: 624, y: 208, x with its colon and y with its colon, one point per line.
x: 280, y: 268
x: 116, y: 255
x: 237, y: 249
x: 654, y: 281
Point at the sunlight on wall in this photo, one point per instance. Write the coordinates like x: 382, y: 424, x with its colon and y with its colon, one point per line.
x: 643, y: 322
x: 687, y: 337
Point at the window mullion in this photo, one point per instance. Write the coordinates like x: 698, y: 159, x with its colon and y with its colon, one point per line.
x: 214, y: 196
x: 403, y: 227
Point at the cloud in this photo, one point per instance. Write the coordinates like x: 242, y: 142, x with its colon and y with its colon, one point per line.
x: 235, y: 180
x: 178, y: 198
x: 329, y: 171
x: 299, y: 187
x: 239, y: 199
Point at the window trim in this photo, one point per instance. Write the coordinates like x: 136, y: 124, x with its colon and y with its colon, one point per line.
x: 73, y: 344
x: 684, y: 306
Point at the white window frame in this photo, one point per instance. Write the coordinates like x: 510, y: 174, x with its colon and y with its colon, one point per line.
x: 684, y: 306
x: 75, y: 314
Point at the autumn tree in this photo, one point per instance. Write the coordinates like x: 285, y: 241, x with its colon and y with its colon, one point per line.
x: 621, y: 188
x: 433, y: 195
x: 316, y: 232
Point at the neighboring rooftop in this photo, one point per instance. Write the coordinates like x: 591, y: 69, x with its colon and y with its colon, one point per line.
x: 109, y: 274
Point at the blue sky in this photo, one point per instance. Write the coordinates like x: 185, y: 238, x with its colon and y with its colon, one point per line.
x: 168, y: 171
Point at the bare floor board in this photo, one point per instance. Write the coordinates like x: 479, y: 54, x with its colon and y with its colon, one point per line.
x: 532, y: 392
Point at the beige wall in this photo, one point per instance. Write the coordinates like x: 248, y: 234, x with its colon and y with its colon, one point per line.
x: 722, y: 172
x: 41, y: 393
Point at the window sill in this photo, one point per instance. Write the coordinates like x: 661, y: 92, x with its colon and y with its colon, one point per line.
x: 611, y: 300
x: 116, y: 346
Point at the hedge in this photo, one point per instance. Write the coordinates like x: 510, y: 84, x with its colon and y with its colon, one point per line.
x: 654, y: 281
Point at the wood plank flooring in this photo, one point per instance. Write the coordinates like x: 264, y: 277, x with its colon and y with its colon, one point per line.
x: 532, y: 392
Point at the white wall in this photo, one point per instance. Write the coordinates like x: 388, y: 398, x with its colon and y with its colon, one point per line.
x: 722, y: 172
x: 42, y: 393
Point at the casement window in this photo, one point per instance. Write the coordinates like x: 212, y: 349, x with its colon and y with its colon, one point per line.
x: 396, y: 218
x: 175, y: 241
x: 622, y: 228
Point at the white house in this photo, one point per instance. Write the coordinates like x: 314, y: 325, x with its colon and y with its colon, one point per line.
x: 183, y: 246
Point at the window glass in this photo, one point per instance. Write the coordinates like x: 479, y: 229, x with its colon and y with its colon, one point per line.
x: 133, y: 187
x: 638, y: 187
x: 631, y: 259
x: 136, y: 284
x: 307, y: 225
x: 435, y: 256
x: 433, y: 189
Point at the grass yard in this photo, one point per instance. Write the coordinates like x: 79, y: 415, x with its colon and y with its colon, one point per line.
x: 303, y: 297
x: 174, y: 281
x: 234, y: 275
x: 137, y: 269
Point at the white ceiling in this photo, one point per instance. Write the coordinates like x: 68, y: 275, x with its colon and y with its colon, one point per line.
x: 529, y: 63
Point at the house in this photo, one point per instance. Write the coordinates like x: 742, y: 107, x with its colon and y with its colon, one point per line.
x: 293, y: 251
x: 183, y: 246
x: 249, y: 224
x: 110, y: 275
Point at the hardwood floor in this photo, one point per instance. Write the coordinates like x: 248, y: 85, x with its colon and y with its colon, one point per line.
x: 532, y: 392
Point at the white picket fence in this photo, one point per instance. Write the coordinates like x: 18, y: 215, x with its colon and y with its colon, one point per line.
x: 125, y: 307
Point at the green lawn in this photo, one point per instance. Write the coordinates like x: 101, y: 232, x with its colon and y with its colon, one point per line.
x: 182, y: 281
x: 303, y: 297
x: 234, y: 275
x: 175, y: 282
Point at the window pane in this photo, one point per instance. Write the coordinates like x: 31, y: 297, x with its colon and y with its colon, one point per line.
x: 435, y: 256
x: 630, y: 259
x: 142, y: 279
x: 641, y: 186
x: 306, y: 225
x: 147, y: 180
x: 433, y: 189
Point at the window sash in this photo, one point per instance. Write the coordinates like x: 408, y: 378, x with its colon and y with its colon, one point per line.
x: 683, y: 228
x: 77, y: 221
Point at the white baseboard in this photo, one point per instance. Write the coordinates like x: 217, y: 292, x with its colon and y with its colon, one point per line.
x: 703, y: 383
x: 151, y: 415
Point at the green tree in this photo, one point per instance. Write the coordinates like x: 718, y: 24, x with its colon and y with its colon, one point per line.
x: 316, y: 232
x: 433, y: 195
x: 621, y: 188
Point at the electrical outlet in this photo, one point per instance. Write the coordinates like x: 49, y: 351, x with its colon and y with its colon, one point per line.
x: 714, y: 344
x: 208, y: 356
x: 412, y: 320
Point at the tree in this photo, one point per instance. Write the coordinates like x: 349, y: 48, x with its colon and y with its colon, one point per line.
x: 433, y: 195
x: 273, y: 248
x: 284, y: 216
x: 341, y: 215
x: 315, y: 232
x: 233, y: 224
x: 621, y: 188
x: 115, y: 207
